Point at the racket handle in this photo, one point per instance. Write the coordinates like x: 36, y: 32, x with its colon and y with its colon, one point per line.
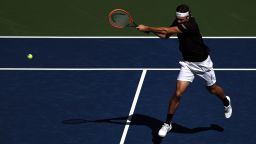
x: 135, y: 25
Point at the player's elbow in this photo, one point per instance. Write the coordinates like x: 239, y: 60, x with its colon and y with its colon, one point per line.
x: 163, y: 36
x: 165, y: 31
x: 166, y: 36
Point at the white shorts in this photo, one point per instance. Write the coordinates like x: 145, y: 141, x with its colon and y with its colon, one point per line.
x: 203, y: 69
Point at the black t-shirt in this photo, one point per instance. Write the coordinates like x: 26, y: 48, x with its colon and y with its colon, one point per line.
x: 191, y: 46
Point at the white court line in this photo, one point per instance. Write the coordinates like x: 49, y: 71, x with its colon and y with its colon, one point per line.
x: 144, y: 70
x: 123, y: 37
x: 136, y: 97
x: 116, y: 69
x: 120, y: 69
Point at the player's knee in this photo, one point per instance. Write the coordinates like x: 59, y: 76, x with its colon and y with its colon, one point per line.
x: 178, y: 94
x: 175, y: 98
x: 212, y: 89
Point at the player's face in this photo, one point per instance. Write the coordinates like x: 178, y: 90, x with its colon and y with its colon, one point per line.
x: 182, y: 19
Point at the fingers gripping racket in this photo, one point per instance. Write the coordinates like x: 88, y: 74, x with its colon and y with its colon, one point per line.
x: 120, y: 18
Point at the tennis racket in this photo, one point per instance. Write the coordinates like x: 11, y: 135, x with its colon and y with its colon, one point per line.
x: 119, y: 18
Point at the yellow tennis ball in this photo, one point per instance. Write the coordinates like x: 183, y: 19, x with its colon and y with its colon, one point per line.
x: 29, y: 56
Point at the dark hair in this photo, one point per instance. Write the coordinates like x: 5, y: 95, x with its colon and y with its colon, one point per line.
x: 183, y: 8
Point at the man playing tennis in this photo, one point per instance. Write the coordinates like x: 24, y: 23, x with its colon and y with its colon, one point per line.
x: 196, y: 61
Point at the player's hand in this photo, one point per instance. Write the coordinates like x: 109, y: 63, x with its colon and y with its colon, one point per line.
x: 142, y: 28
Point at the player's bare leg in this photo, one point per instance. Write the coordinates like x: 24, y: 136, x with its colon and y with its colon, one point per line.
x: 181, y: 87
x: 219, y: 92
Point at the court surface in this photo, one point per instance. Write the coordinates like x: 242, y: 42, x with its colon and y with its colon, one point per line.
x: 116, y: 90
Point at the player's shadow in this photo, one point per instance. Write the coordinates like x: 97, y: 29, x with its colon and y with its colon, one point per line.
x: 152, y: 123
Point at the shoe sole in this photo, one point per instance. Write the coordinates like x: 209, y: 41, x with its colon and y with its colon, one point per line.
x: 230, y: 105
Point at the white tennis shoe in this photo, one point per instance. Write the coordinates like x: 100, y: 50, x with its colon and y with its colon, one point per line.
x: 228, y: 109
x: 164, y: 130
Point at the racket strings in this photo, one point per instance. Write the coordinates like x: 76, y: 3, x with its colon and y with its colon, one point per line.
x: 120, y: 19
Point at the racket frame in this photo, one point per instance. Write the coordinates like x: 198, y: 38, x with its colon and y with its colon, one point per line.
x: 131, y: 21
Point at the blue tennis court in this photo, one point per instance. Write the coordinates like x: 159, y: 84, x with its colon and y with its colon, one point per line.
x: 116, y: 90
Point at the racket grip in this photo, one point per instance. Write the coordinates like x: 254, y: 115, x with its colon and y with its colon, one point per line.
x: 135, y: 25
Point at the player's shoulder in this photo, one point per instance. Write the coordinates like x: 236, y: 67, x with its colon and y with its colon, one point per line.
x: 191, y: 23
x: 192, y: 20
x: 189, y: 26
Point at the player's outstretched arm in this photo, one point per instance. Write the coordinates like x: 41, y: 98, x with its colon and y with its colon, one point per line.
x: 162, y: 32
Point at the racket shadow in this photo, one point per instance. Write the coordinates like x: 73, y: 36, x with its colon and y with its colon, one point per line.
x: 144, y: 120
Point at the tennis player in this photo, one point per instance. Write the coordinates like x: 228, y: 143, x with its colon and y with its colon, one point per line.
x: 196, y: 61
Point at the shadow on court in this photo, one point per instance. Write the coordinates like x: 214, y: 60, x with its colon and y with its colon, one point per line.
x: 152, y: 123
